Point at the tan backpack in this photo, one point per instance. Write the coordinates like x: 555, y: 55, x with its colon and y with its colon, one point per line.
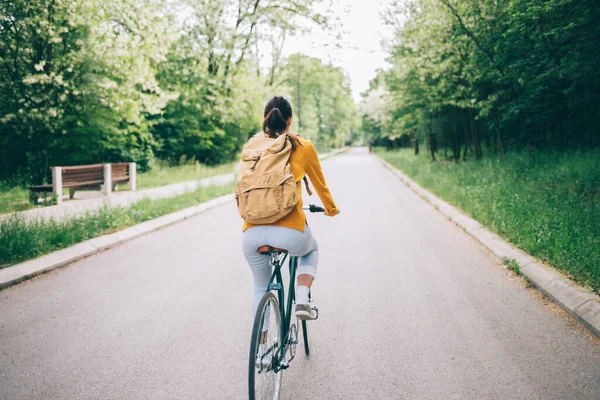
x: 265, y: 189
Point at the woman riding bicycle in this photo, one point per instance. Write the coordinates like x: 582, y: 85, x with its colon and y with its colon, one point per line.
x: 291, y: 233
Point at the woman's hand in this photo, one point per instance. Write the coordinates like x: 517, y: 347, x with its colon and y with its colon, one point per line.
x: 332, y: 213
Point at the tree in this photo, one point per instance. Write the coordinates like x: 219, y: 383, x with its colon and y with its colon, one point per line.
x: 489, y: 75
x: 329, y: 116
x: 77, y: 82
x: 129, y: 80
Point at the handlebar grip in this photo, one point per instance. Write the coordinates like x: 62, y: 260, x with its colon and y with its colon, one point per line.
x: 315, y: 209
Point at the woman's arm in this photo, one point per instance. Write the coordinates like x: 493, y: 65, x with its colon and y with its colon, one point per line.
x: 315, y: 173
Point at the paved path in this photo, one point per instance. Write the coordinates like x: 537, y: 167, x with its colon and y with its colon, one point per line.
x: 411, y: 308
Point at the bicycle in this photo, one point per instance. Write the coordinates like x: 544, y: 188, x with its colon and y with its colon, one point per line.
x: 270, y: 353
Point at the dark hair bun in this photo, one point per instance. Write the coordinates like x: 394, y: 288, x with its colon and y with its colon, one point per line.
x: 277, y: 112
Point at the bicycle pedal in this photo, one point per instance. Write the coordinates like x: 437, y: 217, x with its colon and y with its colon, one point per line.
x: 284, y: 365
x: 316, y: 310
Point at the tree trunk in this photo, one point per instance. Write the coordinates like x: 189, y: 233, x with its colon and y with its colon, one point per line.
x: 475, y: 134
x: 527, y: 136
x: 561, y: 130
x: 432, y: 145
x: 414, y: 134
x: 498, y: 136
x: 466, y: 139
x: 446, y: 150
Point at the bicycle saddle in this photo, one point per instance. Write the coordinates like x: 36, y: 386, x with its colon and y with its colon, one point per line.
x: 266, y: 249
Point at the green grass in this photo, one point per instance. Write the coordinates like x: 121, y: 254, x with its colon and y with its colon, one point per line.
x: 162, y: 175
x: 15, y: 198
x: 548, y: 205
x: 21, y: 241
x: 513, y: 265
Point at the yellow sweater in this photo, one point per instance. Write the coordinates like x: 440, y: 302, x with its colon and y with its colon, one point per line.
x: 305, y: 161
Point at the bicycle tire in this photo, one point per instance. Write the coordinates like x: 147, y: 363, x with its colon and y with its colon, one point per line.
x: 269, y: 382
x: 305, y: 336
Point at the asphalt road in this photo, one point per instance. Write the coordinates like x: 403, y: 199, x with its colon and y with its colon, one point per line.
x: 410, y: 308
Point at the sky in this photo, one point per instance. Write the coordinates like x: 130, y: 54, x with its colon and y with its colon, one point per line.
x: 360, y: 52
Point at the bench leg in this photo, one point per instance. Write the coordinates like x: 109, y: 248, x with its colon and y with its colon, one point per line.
x: 72, y: 193
x: 33, y: 198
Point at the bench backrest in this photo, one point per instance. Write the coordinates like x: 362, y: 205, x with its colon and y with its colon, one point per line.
x: 120, y: 170
x: 83, y: 173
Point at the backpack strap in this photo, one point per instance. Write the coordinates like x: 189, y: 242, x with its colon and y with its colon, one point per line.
x: 310, y: 193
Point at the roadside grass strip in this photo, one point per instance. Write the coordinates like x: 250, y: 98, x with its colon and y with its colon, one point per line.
x: 21, y: 241
x: 14, y: 198
x: 547, y: 205
x: 161, y: 175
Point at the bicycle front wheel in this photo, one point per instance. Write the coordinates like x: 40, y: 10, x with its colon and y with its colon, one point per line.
x: 264, y: 374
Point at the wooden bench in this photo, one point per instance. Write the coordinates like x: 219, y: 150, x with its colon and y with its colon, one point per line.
x: 103, y: 177
x: 120, y: 174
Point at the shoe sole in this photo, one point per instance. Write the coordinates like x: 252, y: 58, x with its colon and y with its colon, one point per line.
x: 305, y: 316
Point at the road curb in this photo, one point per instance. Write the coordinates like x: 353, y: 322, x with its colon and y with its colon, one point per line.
x: 14, y: 274
x: 576, y: 300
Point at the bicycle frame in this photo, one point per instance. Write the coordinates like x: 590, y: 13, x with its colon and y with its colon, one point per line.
x: 276, y: 284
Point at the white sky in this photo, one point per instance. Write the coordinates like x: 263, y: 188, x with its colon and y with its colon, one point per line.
x: 360, y: 52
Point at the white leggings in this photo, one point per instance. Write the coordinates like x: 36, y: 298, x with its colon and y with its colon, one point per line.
x: 297, y: 243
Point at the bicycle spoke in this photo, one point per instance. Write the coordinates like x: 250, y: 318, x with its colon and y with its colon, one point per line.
x: 264, y: 371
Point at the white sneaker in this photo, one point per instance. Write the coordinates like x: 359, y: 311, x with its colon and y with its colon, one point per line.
x: 306, y: 312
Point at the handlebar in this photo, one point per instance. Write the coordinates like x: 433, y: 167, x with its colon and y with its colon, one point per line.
x: 313, y: 208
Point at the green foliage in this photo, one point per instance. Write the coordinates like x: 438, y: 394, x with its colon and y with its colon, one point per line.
x: 20, y: 240
x: 40, y: 55
x: 547, y: 205
x: 328, y: 114
x: 485, y: 75
x: 78, y: 83
x: 218, y: 93
x: 131, y: 80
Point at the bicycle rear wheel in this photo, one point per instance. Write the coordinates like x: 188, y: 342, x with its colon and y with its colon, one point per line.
x: 305, y: 336
x: 264, y: 375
